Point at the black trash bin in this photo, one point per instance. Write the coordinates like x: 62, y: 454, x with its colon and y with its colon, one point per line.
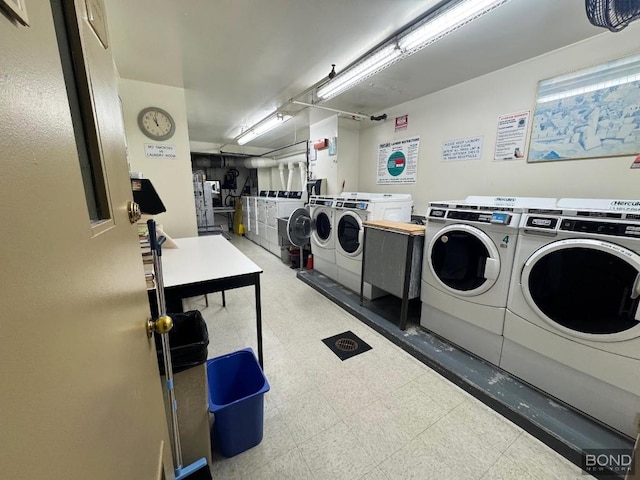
x: 188, y: 340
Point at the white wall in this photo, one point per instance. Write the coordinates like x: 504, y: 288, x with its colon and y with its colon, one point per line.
x: 471, y: 109
x: 171, y: 178
x: 341, y: 168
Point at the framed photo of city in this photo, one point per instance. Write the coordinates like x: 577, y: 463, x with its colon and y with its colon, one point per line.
x: 591, y: 113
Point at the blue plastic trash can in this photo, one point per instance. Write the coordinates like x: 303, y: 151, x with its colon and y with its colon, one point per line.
x: 236, y: 397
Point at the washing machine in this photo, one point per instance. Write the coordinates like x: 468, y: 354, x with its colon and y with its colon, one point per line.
x: 323, y: 242
x: 572, y: 325
x: 352, y: 209
x: 468, y: 256
x: 282, y: 205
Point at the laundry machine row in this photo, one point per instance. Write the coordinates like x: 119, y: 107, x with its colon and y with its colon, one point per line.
x: 264, y: 210
x: 338, y: 231
x: 549, y: 291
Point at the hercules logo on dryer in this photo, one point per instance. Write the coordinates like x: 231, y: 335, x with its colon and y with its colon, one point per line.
x: 630, y: 205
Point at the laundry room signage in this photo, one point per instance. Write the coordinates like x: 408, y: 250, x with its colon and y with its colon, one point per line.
x: 154, y: 150
x: 511, y: 136
x: 462, y: 149
x: 398, y: 161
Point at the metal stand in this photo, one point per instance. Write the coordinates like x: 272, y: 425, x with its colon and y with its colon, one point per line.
x: 163, y: 325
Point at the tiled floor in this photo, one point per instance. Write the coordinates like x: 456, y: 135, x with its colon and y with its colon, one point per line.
x: 381, y: 415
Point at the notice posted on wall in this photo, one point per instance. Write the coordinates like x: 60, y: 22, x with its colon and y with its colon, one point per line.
x: 154, y: 150
x: 462, y: 149
x: 512, y: 136
x: 398, y: 161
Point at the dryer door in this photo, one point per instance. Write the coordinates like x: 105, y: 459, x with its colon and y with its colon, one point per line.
x: 322, y: 227
x: 350, y: 231
x: 585, y: 288
x: 464, y: 260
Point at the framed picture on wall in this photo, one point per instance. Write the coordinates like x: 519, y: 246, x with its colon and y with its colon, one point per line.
x: 591, y: 113
x: 17, y: 9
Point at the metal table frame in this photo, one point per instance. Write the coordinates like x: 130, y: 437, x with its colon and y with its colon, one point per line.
x: 407, y: 272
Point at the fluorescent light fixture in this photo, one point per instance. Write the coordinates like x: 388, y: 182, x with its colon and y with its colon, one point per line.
x: 262, y: 127
x: 361, y: 71
x: 448, y: 19
x: 442, y: 24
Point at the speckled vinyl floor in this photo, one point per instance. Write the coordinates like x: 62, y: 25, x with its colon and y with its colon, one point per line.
x: 381, y: 415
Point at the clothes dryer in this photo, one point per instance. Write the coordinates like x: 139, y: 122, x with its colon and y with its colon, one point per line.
x: 323, y: 243
x: 352, y: 209
x: 573, y: 317
x: 467, y: 262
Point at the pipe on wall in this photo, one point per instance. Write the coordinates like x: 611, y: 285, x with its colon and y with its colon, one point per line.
x: 291, y: 166
x: 281, y: 168
x: 303, y: 174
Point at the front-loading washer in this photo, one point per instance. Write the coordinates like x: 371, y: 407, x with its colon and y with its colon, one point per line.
x: 572, y: 326
x: 467, y: 261
x: 352, y: 209
x: 323, y: 244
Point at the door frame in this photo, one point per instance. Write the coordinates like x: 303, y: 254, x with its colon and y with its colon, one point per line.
x: 486, y: 241
x: 358, y: 218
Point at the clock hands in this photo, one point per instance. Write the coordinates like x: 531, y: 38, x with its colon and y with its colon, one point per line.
x: 155, y: 119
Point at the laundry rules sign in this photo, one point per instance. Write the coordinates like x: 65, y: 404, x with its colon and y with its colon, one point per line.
x: 398, y: 161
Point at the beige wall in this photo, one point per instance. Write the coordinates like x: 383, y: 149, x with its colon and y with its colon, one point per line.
x: 342, y: 167
x: 171, y: 177
x: 472, y: 108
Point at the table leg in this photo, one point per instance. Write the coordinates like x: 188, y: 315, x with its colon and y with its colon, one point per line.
x: 174, y: 304
x: 259, y: 320
x: 405, y: 285
x: 224, y: 300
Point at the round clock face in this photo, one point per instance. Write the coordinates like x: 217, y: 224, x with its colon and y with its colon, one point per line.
x: 156, y: 123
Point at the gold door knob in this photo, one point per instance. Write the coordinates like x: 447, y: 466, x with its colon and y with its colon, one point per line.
x: 161, y: 325
x: 133, y: 209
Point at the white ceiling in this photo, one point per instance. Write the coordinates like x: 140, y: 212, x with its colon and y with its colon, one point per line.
x: 239, y: 60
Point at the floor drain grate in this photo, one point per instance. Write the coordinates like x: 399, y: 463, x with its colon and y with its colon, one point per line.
x: 346, y: 345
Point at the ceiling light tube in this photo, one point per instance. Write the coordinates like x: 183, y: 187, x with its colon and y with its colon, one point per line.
x: 359, y: 72
x: 433, y: 28
x: 261, y: 128
x: 450, y: 20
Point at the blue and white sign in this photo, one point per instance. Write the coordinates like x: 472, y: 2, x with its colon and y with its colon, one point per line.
x: 398, y: 161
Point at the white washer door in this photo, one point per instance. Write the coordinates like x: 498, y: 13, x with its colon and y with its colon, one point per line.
x: 464, y: 260
x: 322, y: 231
x: 585, y: 288
x: 349, y: 234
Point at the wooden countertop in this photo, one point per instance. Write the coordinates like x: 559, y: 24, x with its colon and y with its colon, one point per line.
x: 398, y: 227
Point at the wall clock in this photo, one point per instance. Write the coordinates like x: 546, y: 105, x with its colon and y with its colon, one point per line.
x: 156, y: 123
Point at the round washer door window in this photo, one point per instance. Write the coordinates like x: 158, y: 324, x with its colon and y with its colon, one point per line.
x: 323, y: 227
x: 350, y: 233
x: 585, y: 288
x: 464, y: 260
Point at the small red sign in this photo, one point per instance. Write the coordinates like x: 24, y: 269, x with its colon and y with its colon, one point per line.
x: 402, y: 122
x: 636, y: 162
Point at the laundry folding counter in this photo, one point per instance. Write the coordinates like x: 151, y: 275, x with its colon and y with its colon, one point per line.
x: 392, y: 260
x: 202, y: 265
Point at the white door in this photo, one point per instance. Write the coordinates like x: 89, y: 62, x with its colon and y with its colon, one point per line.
x: 463, y: 259
x: 349, y: 233
x: 81, y: 396
x: 585, y: 288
